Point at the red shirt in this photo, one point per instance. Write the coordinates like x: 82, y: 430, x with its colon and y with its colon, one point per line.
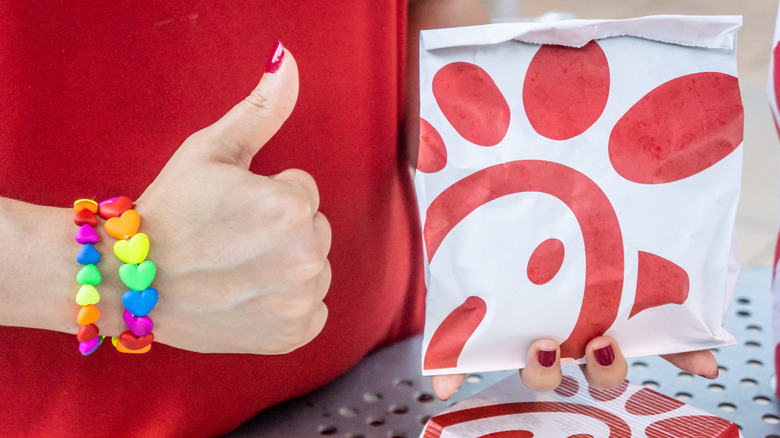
x: 96, y: 98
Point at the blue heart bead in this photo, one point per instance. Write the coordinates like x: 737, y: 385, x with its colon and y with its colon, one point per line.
x: 140, y: 303
x: 88, y: 255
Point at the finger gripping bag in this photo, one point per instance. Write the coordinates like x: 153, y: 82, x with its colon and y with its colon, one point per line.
x: 578, y: 178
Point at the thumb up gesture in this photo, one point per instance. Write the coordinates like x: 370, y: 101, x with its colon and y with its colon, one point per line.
x: 242, y: 257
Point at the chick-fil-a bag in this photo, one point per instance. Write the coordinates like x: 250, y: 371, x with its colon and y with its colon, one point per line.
x: 578, y: 178
x: 773, y: 88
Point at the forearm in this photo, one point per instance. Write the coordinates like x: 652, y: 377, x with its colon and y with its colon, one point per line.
x: 38, y: 270
x: 429, y: 14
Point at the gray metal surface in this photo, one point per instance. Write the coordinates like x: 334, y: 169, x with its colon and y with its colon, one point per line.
x: 386, y: 397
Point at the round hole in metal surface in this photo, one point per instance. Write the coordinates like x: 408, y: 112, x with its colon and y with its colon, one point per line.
x: 743, y: 300
x: 722, y: 369
x: 715, y: 350
x: 376, y: 421
x: 639, y: 365
x: 395, y: 434
x: 348, y: 412
x: 727, y: 407
x: 683, y: 396
x: 755, y: 363
x: 749, y: 382
x: 762, y: 400
x: 424, y: 419
x: 743, y: 313
x: 328, y: 430
x: 372, y: 397
x: 772, y: 436
x: 404, y: 383
x: 685, y: 375
x: 753, y: 344
x: 716, y: 387
x: 399, y: 409
x: 473, y: 378
x: 771, y: 419
x: 425, y: 398
x: 754, y: 328
x: 650, y: 384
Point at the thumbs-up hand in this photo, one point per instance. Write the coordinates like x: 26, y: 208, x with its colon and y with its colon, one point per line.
x: 242, y: 257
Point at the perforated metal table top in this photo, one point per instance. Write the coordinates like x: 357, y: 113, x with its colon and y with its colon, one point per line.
x: 385, y: 396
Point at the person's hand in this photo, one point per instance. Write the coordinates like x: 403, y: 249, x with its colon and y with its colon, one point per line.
x: 604, y: 368
x: 241, y: 258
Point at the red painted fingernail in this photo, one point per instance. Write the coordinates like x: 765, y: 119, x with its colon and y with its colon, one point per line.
x: 546, y: 358
x: 605, y: 356
x: 275, y: 61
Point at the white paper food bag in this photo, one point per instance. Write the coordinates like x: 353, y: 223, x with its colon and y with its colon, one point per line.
x: 773, y: 87
x: 577, y: 178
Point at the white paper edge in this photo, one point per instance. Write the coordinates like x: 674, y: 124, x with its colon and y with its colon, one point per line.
x: 712, y: 32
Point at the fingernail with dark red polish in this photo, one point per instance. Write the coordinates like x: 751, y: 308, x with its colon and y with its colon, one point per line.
x: 546, y: 358
x: 275, y: 61
x: 605, y: 356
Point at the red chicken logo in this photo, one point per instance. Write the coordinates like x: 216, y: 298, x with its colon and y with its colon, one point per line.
x: 675, y: 130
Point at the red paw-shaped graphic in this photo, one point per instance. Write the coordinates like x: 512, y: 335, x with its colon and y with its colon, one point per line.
x: 675, y: 131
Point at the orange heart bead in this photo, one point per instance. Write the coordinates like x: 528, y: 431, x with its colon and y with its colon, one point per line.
x: 89, y: 204
x: 88, y: 314
x: 124, y: 226
x: 122, y: 349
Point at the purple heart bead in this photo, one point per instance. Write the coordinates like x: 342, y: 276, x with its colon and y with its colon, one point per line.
x: 87, y: 234
x: 87, y: 348
x: 138, y: 325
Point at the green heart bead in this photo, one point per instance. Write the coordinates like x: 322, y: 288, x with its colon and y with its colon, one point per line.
x: 87, y: 295
x: 89, y: 274
x: 138, y: 277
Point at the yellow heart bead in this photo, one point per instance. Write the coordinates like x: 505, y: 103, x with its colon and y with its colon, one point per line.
x: 87, y: 295
x: 134, y: 250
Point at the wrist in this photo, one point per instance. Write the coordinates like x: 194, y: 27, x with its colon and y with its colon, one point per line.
x: 39, y: 275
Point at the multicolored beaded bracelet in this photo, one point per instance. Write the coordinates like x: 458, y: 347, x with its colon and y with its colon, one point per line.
x: 131, y: 247
x: 88, y: 277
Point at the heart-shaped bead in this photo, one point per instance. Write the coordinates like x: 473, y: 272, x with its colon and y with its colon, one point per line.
x: 138, y: 325
x: 131, y: 342
x: 89, y: 347
x: 124, y: 226
x: 88, y: 204
x: 85, y: 217
x: 134, y: 250
x: 122, y: 349
x: 88, y: 314
x: 88, y: 255
x: 89, y: 274
x: 87, y: 295
x: 86, y: 234
x: 138, y: 277
x: 87, y: 332
x: 114, y: 207
x: 140, y: 303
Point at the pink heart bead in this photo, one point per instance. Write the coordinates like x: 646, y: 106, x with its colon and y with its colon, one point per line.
x: 140, y: 326
x: 87, y: 234
x: 87, y: 348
